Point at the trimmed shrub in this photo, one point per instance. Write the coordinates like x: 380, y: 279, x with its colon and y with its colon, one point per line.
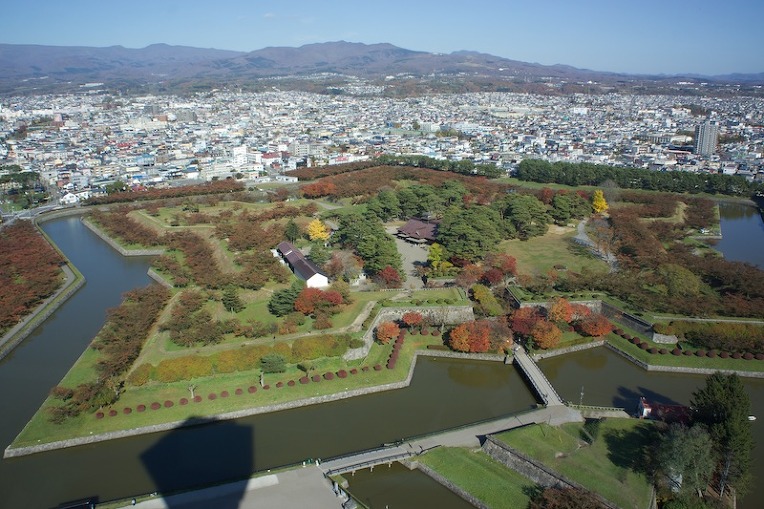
x: 112, y: 413
x: 224, y: 394
x: 155, y: 406
x: 724, y: 355
x: 329, y: 375
x: 238, y: 392
x: 700, y: 353
x: 353, y: 371
x: 197, y: 399
x: 290, y: 383
x: 711, y: 354
x: 748, y: 356
x: 212, y: 396
x: 619, y: 332
x: 377, y: 367
x: 759, y: 356
x: 688, y: 352
x: 635, y: 341
x: 99, y: 415
x: 676, y: 351
x: 627, y: 337
x: 653, y: 350
x: 663, y: 351
x: 316, y: 378
x: 252, y: 389
x: 184, y: 401
x: 425, y: 331
x: 342, y: 373
x: 266, y: 387
x: 141, y: 408
x: 168, y: 404
x: 304, y: 380
x: 736, y: 355
x: 391, y: 364
x: 365, y: 368
x: 644, y: 346
x: 435, y: 333
x: 279, y: 385
x: 127, y: 410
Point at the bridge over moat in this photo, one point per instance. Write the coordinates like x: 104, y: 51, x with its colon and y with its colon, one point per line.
x: 543, y: 387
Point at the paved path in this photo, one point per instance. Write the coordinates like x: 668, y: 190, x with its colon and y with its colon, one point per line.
x: 583, y: 238
x: 539, y: 381
x: 294, y: 489
x: 463, y: 437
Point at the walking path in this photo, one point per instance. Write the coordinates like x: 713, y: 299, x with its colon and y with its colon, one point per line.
x: 293, y: 489
x: 469, y: 436
x: 583, y: 238
x: 543, y: 387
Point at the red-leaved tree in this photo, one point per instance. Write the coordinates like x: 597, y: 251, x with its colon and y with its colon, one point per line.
x: 546, y: 334
x: 389, y: 277
x: 473, y: 337
x: 560, y: 310
x: 595, y: 325
x: 524, y: 319
x: 387, y: 331
x: 412, y: 319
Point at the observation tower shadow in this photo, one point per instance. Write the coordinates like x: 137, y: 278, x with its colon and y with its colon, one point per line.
x: 212, y: 457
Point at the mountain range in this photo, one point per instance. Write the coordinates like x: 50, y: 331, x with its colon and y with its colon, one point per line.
x: 33, y: 68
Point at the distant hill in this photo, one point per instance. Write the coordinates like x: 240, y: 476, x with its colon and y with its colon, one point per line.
x: 31, y: 68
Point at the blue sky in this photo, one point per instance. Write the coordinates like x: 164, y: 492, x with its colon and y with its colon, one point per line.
x: 646, y: 36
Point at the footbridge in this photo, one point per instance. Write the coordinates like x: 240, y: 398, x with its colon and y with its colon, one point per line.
x: 538, y: 380
x: 470, y: 435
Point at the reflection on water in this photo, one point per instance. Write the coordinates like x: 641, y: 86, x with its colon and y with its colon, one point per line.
x: 400, y: 488
x: 742, y: 234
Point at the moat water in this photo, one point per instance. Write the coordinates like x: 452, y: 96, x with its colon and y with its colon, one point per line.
x: 443, y: 394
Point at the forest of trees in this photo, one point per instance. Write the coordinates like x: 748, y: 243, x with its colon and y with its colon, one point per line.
x: 29, y: 271
x: 587, y: 174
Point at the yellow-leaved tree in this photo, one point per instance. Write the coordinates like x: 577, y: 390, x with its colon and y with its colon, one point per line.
x: 599, y: 204
x: 318, y: 230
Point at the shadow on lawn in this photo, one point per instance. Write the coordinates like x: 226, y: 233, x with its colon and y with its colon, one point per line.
x: 633, y: 449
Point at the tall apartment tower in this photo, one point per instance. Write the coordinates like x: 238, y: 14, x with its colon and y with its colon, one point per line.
x: 706, y: 138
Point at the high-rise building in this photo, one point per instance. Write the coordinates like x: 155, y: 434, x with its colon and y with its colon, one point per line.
x: 706, y: 138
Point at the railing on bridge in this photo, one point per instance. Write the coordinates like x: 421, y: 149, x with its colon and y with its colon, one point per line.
x: 368, y: 463
x: 536, y: 376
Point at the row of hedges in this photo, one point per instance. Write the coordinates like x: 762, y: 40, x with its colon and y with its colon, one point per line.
x: 737, y: 337
x: 396, y: 350
x: 328, y: 376
x: 711, y: 354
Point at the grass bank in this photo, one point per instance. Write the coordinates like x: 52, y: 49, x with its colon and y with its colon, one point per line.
x: 611, y: 465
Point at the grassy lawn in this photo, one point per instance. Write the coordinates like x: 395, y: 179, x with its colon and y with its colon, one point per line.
x: 481, y: 476
x: 610, y: 466
x: 540, y: 254
x: 41, y: 430
x: 684, y: 361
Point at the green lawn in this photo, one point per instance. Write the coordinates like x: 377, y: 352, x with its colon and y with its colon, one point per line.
x: 481, y: 476
x: 611, y: 466
x: 40, y: 430
x: 540, y: 254
x: 684, y: 361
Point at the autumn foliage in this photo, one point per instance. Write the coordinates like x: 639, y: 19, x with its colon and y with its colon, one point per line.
x: 412, y: 319
x: 595, y: 325
x: 313, y: 300
x: 472, y: 337
x: 29, y: 271
x: 524, y: 319
x: 387, y: 331
x: 545, y: 334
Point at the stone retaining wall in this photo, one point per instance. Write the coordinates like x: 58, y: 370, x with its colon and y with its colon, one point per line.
x: 453, y: 314
x: 102, y: 437
x: 121, y: 250
x: 159, y: 279
x: 570, y: 349
x: 682, y: 369
x: 532, y: 469
x: 448, y: 484
x: 24, y: 328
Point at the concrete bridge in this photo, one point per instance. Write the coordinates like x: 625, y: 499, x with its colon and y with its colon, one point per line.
x: 538, y: 380
x: 466, y: 436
